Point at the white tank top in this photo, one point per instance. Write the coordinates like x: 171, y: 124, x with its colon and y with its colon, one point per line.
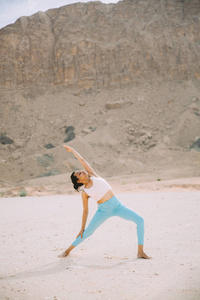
x: 99, y: 188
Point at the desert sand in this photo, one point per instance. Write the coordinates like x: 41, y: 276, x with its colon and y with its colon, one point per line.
x: 35, y: 230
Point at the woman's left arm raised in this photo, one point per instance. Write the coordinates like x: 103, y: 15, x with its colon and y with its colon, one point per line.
x: 82, y: 161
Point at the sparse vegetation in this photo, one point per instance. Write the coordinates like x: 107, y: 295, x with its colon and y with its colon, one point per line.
x: 23, y: 193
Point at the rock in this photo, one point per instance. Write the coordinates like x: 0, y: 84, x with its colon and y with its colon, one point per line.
x: 196, y: 139
x: 142, y: 132
x: 149, y: 135
x: 69, y: 129
x: 86, y: 130
x: 116, y: 104
x: 19, y: 143
x: 5, y: 140
x: 49, y: 146
x: 151, y: 145
x: 196, y: 145
x: 70, y: 137
x: 45, y: 160
x: 42, y: 162
x: 48, y: 157
x: 77, y: 93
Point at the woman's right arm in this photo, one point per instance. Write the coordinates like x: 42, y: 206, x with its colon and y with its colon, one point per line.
x: 84, y: 164
x: 85, y: 198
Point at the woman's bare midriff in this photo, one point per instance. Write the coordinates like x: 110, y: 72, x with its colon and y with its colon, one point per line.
x: 106, y: 197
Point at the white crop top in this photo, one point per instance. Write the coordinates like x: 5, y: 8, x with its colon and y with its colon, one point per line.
x: 99, y: 188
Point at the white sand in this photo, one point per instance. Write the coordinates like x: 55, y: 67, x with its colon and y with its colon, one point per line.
x: 34, y: 230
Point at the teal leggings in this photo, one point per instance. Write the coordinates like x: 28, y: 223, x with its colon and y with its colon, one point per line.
x: 111, y: 208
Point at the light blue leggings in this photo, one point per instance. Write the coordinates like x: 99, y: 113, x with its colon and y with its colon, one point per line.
x: 111, y: 208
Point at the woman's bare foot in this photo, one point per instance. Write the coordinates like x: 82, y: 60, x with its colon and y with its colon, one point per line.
x: 66, y: 252
x: 143, y: 255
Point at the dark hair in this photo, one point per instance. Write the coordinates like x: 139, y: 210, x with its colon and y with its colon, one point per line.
x: 74, y: 180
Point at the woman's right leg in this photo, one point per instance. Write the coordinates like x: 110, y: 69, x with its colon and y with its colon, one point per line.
x: 97, y: 220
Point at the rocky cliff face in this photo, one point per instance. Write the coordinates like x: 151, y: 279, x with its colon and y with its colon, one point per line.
x: 94, y: 45
x: 118, y: 82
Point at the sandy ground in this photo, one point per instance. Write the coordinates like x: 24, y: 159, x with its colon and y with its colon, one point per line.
x: 34, y: 230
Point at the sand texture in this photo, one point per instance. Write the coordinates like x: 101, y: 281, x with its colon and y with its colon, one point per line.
x: 34, y: 230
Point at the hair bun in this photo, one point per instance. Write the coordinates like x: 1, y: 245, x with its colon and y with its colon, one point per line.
x: 76, y: 186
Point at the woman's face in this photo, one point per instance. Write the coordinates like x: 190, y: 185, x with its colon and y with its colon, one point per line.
x: 81, y: 175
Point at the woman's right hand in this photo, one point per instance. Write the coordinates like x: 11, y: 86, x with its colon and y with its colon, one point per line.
x: 68, y: 148
x: 81, y: 233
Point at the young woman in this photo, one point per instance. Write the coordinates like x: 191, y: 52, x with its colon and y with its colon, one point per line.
x: 108, y: 205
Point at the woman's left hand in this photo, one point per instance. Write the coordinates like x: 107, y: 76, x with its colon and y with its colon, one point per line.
x: 68, y: 148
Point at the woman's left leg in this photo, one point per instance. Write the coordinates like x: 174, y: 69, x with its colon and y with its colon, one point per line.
x: 128, y: 214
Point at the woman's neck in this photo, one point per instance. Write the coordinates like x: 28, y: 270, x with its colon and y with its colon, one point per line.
x: 86, y: 182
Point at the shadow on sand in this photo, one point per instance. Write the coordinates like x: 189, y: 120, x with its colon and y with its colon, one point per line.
x: 60, y: 266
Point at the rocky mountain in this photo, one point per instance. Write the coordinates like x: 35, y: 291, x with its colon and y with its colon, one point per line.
x: 95, y: 45
x: 119, y: 82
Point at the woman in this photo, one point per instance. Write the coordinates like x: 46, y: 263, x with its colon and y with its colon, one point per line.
x: 108, y: 205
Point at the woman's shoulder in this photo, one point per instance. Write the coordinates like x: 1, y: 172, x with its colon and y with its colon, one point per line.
x: 84, y: 194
